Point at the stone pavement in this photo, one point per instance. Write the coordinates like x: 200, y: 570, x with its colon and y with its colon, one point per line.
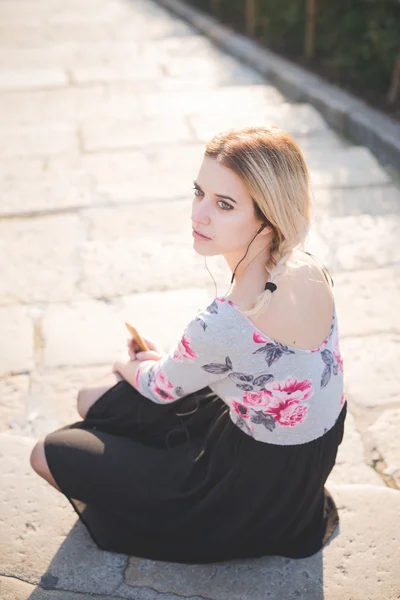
x: 104, y: 110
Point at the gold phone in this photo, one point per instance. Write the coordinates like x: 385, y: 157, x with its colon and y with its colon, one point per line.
x: 135, y: 334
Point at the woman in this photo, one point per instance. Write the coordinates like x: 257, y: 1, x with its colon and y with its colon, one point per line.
x: 220, y: 449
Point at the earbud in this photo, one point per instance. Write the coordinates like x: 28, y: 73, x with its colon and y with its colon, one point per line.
x: 261, y: 228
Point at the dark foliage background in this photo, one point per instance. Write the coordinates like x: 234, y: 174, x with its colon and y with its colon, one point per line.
x: 357, y: 42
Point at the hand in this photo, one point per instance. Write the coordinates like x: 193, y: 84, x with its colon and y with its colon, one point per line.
x: 136, y: 354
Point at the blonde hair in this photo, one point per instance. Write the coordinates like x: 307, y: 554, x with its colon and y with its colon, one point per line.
x: 272, y: 166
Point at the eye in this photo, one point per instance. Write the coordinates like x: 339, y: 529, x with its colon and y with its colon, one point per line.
x: 226, y: 204
x: 197, y: 191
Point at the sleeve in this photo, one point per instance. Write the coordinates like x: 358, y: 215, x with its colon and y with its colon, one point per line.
x: 197, y: 360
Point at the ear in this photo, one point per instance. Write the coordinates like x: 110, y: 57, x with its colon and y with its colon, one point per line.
x: 267, y: 230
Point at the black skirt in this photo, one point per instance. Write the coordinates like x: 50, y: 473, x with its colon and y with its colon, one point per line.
x: 182, y: 483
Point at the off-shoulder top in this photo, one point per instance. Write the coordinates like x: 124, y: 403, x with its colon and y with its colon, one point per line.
x: 275, y: 393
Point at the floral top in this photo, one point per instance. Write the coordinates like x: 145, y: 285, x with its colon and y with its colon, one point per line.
x: 276, y: 393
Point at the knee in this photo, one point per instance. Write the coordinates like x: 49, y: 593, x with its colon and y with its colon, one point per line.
x: 38, y: 458
x: 39, y: 463
x: 81, y: 405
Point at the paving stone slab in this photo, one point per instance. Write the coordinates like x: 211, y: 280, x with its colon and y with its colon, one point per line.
x: 375, y: 201
x: 155, y: 219
x: 42, y: 540
x: 215, y: 101
x: 54, y: 396
x: 18, y: 340
x: 172, y: 159
x: 14, y: 589
x: 150, y: 29
x: 350, y: 167
x: 45, y: 265
x: 67, y: 105
x: 24, y: 78
x: 78, y: 182
x: 219, y: 78
x: 351, y: 464
x: 82, y: 333
x: 375, y: 297
x: 121, y: 69
x: 126, y: 177
x: 207, y: 71
x: 14, y: 35
x: 298, y: 119
x: 32, y: 141
x: 45, y: 401
x: 13, y: 392
x: 93, y: 332
x: 385, y: 433
x: 55, y: 8
x: 111, y: 51
x: 11, y: 169
x: 176, y: 47
x: 124, y: 133
x: 372, y: 377
x: 198, y: 63
x: 359, y: 242
x: 39, y: 195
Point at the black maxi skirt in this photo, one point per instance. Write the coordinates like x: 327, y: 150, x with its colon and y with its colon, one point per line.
x: 182, y: 483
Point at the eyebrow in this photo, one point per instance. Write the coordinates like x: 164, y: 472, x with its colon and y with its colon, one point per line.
x: 219, y: 195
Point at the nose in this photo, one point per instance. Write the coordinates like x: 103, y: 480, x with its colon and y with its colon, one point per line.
x: 200, y: 213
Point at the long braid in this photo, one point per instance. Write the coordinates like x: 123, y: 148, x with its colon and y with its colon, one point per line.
x: 280, y: 253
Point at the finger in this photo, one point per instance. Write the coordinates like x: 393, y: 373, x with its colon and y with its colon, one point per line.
x: 151, y: 343
x: 132, y: 345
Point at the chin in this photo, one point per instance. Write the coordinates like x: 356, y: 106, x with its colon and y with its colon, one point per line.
x: 203, y: 250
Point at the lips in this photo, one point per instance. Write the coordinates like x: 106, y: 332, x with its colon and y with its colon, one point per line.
x: 202, y: 234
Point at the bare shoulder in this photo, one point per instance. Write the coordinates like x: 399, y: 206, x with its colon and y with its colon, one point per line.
x: 301, y: 309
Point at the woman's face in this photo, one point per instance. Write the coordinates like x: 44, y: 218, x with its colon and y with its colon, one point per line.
x: 223, y: 210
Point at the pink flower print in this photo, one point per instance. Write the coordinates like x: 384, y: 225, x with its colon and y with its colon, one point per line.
x: 290, y: 388
x: 287, y: 412
x: 258, y: 338
x: 342, y: 399
x: 319, y: 347
x: 161, y: 386
x: 284, y: 400
x: 183, y: 350
x: 244, y: 416
x: 240, y: 409
x: 222, y: 299
x: 260, y: 398
x: 137, y: 377
x: 336, y: 354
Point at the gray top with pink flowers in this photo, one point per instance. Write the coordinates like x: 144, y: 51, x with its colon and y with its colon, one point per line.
x: 275, y: 393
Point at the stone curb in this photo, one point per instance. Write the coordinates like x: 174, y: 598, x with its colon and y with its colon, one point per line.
x: 344, y: 112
